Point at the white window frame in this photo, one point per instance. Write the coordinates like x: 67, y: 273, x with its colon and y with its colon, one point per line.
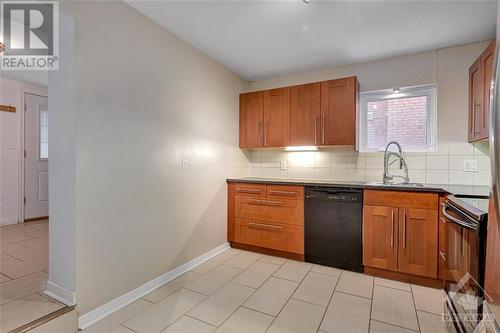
x: 427, y: 90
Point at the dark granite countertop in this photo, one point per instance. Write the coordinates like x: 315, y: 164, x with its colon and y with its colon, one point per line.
x: 458, y: 190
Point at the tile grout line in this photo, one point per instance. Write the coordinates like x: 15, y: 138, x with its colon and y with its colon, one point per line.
x: 371, y: 306
x: 288, y: 300
x: 391, y: 324
x: 329, y: 301
x: 415, y: 308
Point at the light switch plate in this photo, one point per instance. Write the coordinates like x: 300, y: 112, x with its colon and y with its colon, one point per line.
x: 470, y: 165
x: 283, y: 165
x: 184, y: 166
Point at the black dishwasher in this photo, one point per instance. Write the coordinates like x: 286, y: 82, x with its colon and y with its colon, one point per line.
x: 333, y: 227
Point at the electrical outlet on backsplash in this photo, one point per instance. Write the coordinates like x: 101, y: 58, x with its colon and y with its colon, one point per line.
x: 343, y: 163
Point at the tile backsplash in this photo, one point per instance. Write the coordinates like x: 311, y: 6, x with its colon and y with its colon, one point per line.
x: 444, y: 166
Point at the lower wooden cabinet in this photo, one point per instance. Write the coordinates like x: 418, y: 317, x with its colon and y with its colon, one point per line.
x: 267, y: 216
x: 398, y: 237
x: 273, y: 235
x: 380, y: 230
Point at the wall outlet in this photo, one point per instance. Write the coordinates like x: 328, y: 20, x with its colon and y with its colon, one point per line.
x: 470, y: 165
x: 184, y: 166
x: 283, y: 165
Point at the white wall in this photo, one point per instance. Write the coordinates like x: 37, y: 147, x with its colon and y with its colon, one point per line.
x: 144, y: 101
x: 447, y: 67
x: 11, y: 93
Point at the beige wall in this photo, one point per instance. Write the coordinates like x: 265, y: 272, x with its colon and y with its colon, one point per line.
x: 447, y: 67
x: 144, y: 101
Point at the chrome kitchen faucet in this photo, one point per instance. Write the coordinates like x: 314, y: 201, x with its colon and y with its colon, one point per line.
x: 402, y: 164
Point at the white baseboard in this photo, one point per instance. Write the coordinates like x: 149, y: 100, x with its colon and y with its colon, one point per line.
x: 60, y: 294
x: 104, y: 310
x: 9, y: 221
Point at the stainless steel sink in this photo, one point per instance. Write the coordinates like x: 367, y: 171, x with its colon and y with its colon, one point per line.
x: 395, y: 185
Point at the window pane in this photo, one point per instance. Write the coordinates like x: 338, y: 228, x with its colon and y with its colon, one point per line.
x: 397, y: 119
x: 44, y: 134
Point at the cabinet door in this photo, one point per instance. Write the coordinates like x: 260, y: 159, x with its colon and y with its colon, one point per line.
x: 277, y: 117
x: 380, y: 230
x: 251, y: 120
x: 418, y: 241
x: 487, y: 59
x: 338, y: 112
x: 475, y: 100
x: 305, y: 113
x: 452, y: 251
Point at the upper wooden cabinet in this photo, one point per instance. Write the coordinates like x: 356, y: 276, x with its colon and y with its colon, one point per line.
x: 305, y: 115
x: 480, y: 77
x: 338, y: 111
x: 321, y: 113
x: 251, y: 120
x: 277, y: 117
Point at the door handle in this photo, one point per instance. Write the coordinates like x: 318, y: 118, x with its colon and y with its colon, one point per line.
x: 265, y: 226
x: 286, y: 193
x: 316, y: 118
x: 248, y: 190
x: 323, y: 130
x: 259, y: 125
x: 392, y: 227
x: 463, y: 240
x: 265, y: 134
x: 404, y: 228
x: 266, y: 202
x: 443, y: 255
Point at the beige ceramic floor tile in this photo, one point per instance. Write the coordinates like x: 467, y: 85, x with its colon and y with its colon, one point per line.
x: 25, y: 267
x: 316, y: 288
x: 27, y: 285
x: 428, y: 299
x: 162, y: 314
x: 189, y: 325
x: 298, y: 316
x: 378, y: 327
x: 245, y: 320
x: 255, y: 275
x: 392, y: 284
x: 4, y: 278
x: 272, y: 296
x: 121, y: 329
x: 218, y: 307
x: 24, y: 310
x: 207, y: 284
x: 157, y: 295
x: 67, y: 323
x: 347, y: 313
x: 214, y: 262
x: 355, y: 284
x: 6, y: 260
x: 9, y: 238
x: 293, y: 270
x: 37, y: 243
x: 326, y: 270
x: 394, y: 307
x: 12, y: 247
x: 242, y: 260
x: 118, y: 317
x: 431, y: 323
x: 273, y: 260
x: 29, y: 253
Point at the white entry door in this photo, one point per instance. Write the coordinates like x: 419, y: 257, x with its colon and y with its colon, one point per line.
x: 36, y: 162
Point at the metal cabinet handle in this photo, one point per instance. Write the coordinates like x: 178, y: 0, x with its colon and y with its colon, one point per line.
x: 287, y: 193
x: 443, y: 255
x: 259, y: 125
x: 323, y: 130
x: 463, y: 240
x: 266, y: 202
x: 316, y: 118
x: 392, y: 227
x: 265, y: 226
x: 248, y: 190
x: 404, y: 228
x: 265, y: 134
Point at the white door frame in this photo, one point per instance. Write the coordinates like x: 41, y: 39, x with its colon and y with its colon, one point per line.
x: 33, y: 90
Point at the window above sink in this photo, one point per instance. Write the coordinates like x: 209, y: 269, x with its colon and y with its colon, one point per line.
x: 406, y: 115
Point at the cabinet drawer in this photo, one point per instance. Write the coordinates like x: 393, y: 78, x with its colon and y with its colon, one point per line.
x: 284, y: 191
x: 401, y: 199
x: 272, y: 235
x: 280, y: 210
x: 250, y: 190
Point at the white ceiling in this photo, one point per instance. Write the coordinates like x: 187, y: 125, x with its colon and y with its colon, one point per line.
x: 264, y: 39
